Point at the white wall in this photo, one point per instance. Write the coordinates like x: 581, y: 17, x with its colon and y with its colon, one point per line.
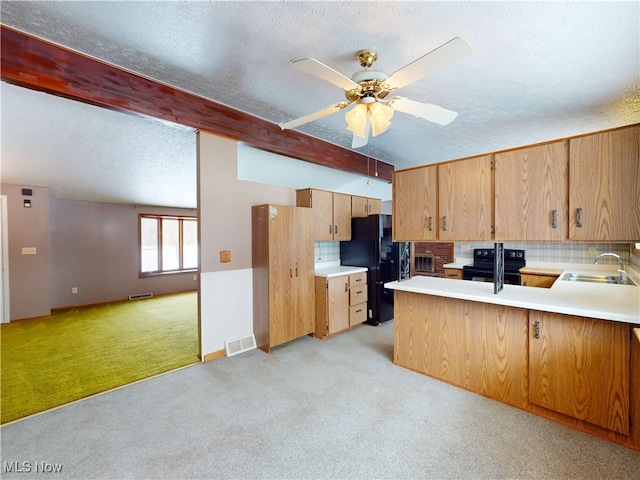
x: 224, y: 208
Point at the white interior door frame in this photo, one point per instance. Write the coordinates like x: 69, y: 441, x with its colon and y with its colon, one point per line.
x: 4, y: 262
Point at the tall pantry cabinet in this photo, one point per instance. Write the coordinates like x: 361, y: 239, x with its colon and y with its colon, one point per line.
x: 283, y: 274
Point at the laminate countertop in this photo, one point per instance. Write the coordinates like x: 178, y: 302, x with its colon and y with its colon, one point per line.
x: 620, y: 303
x: 337, y: 270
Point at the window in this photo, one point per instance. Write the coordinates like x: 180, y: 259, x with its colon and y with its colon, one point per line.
x: 167, y: 244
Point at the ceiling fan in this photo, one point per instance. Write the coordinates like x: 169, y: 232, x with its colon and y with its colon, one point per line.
x: 367, y: 91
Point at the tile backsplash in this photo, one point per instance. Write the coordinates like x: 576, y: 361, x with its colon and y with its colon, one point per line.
x: 326, y: 252
x: 555, y: 252
x: 535, y: 252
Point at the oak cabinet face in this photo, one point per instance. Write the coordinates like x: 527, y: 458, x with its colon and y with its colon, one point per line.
x: 363, y: 206
x: 415, y: 204
x: 332, y: 213
x: 283, y: 278
x: 532, y: 193
x: 535, y: 280
x: 465, y: 200
x: 341, y: 302
x: 604, y: 186
x: 580, y: 367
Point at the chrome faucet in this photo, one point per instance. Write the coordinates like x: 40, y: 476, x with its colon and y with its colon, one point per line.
x: 622, y: 274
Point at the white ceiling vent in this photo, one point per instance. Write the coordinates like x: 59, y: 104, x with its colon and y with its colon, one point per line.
x: 239, y: 345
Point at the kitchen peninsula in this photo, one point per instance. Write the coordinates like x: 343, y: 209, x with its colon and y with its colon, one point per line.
x: 570, y: 353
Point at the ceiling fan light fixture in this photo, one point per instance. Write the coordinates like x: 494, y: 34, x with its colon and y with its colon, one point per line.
x: 380, y: 116
x: 357, y: 119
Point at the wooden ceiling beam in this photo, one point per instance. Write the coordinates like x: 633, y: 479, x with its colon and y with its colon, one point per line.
x: 36, y: 64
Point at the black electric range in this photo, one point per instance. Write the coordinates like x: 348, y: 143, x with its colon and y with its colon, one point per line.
x: 483, y: 261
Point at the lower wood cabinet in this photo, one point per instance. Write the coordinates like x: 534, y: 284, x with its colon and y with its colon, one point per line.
x: 534, y: 277
x: 578, y: 371
x: 478, y: 346
x: 455, y: 273
x: 533, y: 280
x: 341, y: 303
x: 580, y: 367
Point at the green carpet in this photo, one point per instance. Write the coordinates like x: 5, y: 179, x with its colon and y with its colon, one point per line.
x: 75, y: 353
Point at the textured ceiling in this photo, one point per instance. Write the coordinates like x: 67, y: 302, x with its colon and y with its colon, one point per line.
x: 539, y: 71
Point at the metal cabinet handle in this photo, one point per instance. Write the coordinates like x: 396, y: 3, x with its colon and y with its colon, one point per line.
x: 554, y: 218
x: 430, y: 223
x: 290, y: 273
x: 331, y: 229
x: 296, y: 271
x: 536, y: 327
x: 335, y: 229
x: 579, y: 218
x: 444, y: 224
x: 346, y: 287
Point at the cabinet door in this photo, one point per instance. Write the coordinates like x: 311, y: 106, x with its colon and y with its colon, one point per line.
x: 359, y: 206
x: 338, y: 303
x: 580, y: 367
x: 532, y: 193
x: 322, y: 204
x: 415, y: 204
x: 374, y: 206
x: 465, y: 199
x: 605, y: 186
x: 454, y: 273
x: 282, y: 324
x: 542, y: 281
x: 341, y: 216
x: 303, y: 287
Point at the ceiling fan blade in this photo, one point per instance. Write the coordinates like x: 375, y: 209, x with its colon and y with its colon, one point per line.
x: 446, y: 54
x: 313, y: 116
x: 359, y: 141
x: 427, y: 111
x: 314, y: 67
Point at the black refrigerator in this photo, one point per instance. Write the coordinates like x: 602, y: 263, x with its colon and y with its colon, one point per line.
x: 371, y: 246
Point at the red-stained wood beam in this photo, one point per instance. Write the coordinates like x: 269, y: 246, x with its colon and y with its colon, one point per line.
x: 39, y: 65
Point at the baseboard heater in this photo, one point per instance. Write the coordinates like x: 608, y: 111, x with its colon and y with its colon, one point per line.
x: 138, y: 296
x: 239, y: 345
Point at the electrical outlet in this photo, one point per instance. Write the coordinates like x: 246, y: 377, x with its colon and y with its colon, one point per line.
x: 592, y: 250
x: 74, y: 290
x: 28, y: 250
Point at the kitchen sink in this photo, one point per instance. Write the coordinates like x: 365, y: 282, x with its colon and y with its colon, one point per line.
x: 586, y: 277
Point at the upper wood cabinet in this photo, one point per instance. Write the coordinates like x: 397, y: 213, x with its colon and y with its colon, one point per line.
x: 532, y: 193
x: 415, y: 197
x: 605, y: 186
x: 580, y: 367
x: 332, y: 213
x: 465, y: 199
x: 364, y: 206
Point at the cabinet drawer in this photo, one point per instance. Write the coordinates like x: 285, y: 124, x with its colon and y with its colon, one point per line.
x: 357, y: 314
x: 453, y: 273
x: 358, y: 279
x: 358, y: 294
